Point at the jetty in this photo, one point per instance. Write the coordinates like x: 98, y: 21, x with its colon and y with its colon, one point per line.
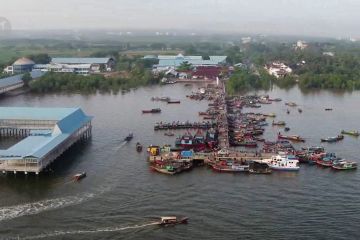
x: 43, y: 133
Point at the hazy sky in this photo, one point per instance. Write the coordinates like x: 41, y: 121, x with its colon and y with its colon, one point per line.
x: 301, y: 17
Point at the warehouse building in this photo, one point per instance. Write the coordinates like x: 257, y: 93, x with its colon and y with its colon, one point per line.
x: 46, y: 132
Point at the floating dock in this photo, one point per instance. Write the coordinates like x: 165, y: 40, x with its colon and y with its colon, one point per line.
x: 45, y: 132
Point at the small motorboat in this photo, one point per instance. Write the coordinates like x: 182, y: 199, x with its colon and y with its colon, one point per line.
x: 351, y: 133
x: 328, y: 109
x: 166, y: 221
x: 344, y: 165
x: 333, y: 139
x: 173, y: 101
x: 286, y: 129
x: 294, y: 138
x: 129, y: 137
x: 288, y: 111
x: 139, y: 147
x: 291, y: 104
x: 299, y: 110
x: 79, y: 176
x: 279, y: 123
x: 154, y: 110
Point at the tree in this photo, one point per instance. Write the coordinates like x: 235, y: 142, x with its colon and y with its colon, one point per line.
x: 185, y: 66
x: 41, y: 58
x: 26, y: 78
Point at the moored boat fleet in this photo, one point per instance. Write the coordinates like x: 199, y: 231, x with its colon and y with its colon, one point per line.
x: 231, y: 140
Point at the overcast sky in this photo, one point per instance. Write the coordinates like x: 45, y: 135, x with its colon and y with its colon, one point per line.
x: 300, y: 17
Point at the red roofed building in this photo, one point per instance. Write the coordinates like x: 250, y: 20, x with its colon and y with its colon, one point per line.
x: 206, y: 72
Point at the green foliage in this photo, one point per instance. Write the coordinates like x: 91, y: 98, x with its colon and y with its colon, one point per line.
x: 245, y: 80
x: 57, y: 82
x: 26, y: 78
x: 185, y: 66
x: 41, y: 58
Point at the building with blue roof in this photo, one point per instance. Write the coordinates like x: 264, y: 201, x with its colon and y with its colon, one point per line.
x: 83, y: 66
x: 167, y: 62
x: 47, y: 132
x: 14, y: 82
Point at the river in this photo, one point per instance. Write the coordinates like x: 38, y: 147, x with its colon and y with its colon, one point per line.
x: 121, y: 196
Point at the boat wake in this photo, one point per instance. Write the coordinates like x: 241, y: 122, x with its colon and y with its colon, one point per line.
x: 78, y: 232
x: 121, y: 145
x: 7, y: 213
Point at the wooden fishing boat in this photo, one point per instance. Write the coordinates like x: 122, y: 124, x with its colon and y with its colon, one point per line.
x: 295, y: 138
x: 169, y: 170
x: 279, y: 123
x: 166, y: 221
x: 154, y: 110
x: 129, y: 137
x: 79, y: 176
x: 344, y: 165
x: 333, y: 139
x: 291, y: 104
x: 326, y: 159
x: 256, y: 167
x: 173, y: 101
x: 233, y: 168
x: 270, y: 115
x: 275, y: 99
x: 139, y: 147
x: 351, y: 133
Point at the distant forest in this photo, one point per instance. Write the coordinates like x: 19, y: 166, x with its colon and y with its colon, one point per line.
x: 319, y: 71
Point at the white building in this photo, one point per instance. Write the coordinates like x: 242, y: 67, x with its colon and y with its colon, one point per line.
x: 301, y: 45
x: 278, y: 69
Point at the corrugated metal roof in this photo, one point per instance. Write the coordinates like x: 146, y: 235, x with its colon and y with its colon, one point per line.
x: 80, y: 60
x: 13, y: 80
x: 178, y: 62
x: 35, y: 146
x: 38, y: 145
x: 28, y: 113
x: 219, y: 59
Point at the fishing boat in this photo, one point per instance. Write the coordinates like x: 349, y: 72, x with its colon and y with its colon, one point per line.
x: 166, y: 221
x: 270, y: 115
x: 333, y: 139
x: 139, y: 147
x: 284, y: 163
x: 129, y: 137
x: 291, y: 104
x: 187, y: 142
x: 169, y: 134
x: 344, y: 165
x: 279, y: 123
x: 79, y: 176
x: 173, y: 101
x: 230, y: 167
x: 256, y: 167
x: 154, y: 110
x: 165, y: 169
x: 326, y: 160
x: 294, y: 138
x: 351, y: 133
